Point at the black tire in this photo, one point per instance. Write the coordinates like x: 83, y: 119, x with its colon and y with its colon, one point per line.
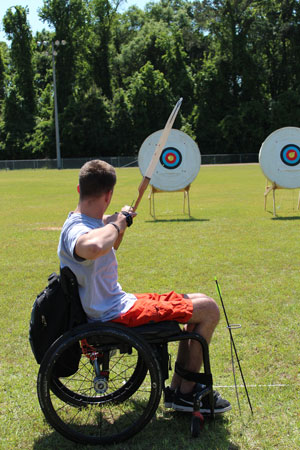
x: 130, y: 402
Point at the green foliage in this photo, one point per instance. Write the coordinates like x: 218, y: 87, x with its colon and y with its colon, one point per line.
x: 19, y: 102
x: 122, y: 126
x: 87, y: 125
x: 21, y: 68
x: 149, y: 96
x: 2, y: 73
x: 235, y: 63
x: 69, y: 20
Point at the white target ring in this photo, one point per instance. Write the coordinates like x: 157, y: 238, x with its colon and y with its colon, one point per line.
x: 279, y: 157
x: 179, y: 162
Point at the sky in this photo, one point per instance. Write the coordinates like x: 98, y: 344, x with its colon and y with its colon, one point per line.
x: 33, y: 5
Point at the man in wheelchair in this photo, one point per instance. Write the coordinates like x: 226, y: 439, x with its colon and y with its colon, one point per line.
x: 87, y: 246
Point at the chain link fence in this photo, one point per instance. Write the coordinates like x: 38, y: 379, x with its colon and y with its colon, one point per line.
x: 118, y: 161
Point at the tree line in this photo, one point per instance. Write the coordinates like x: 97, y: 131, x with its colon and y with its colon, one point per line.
x: 119, y: 74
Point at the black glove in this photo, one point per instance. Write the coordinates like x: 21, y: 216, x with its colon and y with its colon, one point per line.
x: 128, y: 217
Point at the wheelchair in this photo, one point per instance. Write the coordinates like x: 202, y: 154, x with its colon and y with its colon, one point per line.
x: 115, y: 388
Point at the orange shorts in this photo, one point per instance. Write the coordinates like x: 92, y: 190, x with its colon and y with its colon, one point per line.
x: 150, y: 308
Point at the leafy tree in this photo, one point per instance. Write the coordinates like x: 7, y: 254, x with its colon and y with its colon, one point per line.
x: 122, y: 129
x: 86, y: 130
x: 103, y: 15
x: 234, y: 98
x: 20, y: 102
x: 3, y: 62
x: 150, y: 100
x: 69, y: 19
x: 43, y: 137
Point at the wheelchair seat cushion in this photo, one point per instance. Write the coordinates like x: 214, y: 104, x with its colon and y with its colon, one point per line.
x: 158, y: 331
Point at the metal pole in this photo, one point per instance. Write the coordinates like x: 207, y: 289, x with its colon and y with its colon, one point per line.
x: 58, y: 157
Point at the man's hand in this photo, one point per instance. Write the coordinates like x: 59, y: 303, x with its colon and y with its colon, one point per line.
x: 128, y: 212
x: 122, y: 219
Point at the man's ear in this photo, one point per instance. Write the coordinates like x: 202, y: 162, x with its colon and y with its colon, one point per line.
x: 108, y: 196
x: 78, y: 189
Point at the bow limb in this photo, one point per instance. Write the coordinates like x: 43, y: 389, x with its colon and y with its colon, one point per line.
x: 157, y: 153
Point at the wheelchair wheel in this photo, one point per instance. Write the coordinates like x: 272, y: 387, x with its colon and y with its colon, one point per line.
x: 110, y: 403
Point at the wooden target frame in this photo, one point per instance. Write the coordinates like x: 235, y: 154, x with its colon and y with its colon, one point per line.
x: 186, y: 196
x: 272, y: 188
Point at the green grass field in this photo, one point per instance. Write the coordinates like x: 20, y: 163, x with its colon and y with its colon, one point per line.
x: 254, y: 256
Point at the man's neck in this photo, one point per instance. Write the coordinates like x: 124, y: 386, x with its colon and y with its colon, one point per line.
x: 92, y: 208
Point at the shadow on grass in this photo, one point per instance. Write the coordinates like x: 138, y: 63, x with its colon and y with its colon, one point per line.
x: 186, y: 220
x: 172, y: 430
x: 286, y: 218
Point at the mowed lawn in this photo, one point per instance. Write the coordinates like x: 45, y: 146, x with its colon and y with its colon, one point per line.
x: 254, y: 256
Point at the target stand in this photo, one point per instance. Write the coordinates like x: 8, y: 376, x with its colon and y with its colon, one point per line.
x: 279, y: 158
x: 272, y: 188
x: 178, y: 166
x: 186, y: 196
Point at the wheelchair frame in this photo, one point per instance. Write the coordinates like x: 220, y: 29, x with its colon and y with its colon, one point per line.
x: 117, y: 387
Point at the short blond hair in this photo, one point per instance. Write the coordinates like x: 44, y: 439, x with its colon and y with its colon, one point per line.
x: 96, y: 178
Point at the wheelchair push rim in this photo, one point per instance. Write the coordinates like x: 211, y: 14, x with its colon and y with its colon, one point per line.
x: 83, y: 413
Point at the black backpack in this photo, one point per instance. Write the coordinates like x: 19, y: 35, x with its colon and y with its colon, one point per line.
x: 56, y: 310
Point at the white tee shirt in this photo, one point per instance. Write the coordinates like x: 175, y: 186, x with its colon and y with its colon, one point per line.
x: 101, y: 295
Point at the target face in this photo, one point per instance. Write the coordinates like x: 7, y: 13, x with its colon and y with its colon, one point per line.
x: 279, y: 157
x: 171, y: 158
x: 179, y: 162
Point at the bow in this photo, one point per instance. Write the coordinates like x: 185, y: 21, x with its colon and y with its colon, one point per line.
x: 158, y: 151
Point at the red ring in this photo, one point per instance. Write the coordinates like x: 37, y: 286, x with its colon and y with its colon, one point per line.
x: 291, y: 158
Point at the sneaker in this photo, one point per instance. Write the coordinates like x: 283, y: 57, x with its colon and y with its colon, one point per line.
x: 185, y: 402
x: 169, y: 395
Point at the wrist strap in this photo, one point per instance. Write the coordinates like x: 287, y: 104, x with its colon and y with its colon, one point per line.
x: 115, y: 225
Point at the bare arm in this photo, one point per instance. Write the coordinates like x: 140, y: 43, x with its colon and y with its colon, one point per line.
x: 99, y: 241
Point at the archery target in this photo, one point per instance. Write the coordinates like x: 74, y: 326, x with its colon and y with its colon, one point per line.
x: 179, y: 162
x: 279, y: 157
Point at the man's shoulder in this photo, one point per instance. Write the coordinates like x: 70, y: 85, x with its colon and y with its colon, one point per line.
x: 75, y: 217
x: 78, y: 219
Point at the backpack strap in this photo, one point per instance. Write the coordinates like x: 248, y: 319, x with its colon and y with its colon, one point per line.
x: 68, y: 282
x: 69, y: 286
